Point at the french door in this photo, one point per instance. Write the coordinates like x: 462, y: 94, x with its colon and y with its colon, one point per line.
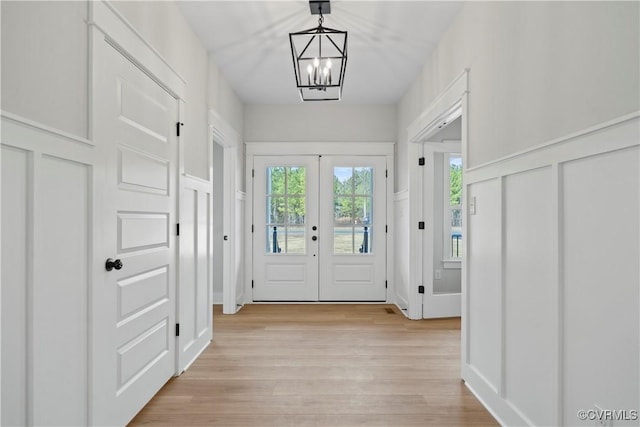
x: 319, y: 228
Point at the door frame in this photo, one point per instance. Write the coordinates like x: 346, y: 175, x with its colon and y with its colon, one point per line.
x: 224, y: 135
x: 316, y: 149
x: 449, y: 105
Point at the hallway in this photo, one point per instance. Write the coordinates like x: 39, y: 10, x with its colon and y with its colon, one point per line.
x: 322, y: 365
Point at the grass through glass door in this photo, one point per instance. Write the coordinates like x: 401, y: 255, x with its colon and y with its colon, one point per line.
x: 286, y: 210
x: 352, y: 210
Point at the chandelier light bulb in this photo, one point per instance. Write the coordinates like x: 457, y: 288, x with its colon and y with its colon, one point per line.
x: 328, y: 63
x: 316, y: 62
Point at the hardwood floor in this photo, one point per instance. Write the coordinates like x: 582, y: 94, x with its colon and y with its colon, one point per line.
x: 322, y: 365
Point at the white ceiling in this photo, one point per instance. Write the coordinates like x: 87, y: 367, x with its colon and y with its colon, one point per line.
x: 388, y: 44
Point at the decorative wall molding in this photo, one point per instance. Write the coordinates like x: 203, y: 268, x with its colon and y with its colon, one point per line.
x: 545, y: 166
x: 447, y: 104
x: 42, y: 128
x: 582, y: 143
x: 223, y: 133
x: 120, y: 34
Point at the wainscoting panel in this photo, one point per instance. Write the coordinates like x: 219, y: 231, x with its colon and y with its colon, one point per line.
x: 601, y: 282
x: 553, y: 301
x: 530, y: 332
x: 483, y: 292
x: 47, y: 197
x: 401, y: 246
x: 16, y: 281
x: 238, y: 263
x: 196, y: 263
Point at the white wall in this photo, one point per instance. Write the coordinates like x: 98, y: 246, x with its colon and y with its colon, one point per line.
x: 546, y: 276
x: 320, y: 123
x: 570, y: 65
x: 44, y: 63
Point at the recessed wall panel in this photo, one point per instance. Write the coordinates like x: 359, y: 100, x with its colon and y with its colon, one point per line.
x: 484, y: 281
x: 188, y: 266
x: 60, y: 291
x: 203, y: 284
x: 16, y: 226
x: 531, y: 320
x: 601, y: 292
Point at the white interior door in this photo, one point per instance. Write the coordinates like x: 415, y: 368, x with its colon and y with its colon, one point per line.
x: 442, y: 250
x: 134, y: 307
x: 319, y: 228
x: 285, y: 253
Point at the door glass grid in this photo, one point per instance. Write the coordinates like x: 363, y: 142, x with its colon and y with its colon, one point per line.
x: 286, y: 210
x: 352, y: 210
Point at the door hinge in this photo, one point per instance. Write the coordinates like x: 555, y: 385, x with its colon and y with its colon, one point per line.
x: 420, y: 225
x: 178, y: 125
x: 252, y: 228
x: 421, y: 289
x: 421, y: 161
x: 386, y: 173
x: 386, y: 284
x: 177, y: 329
x: 252, y: 284
x: 253, y: 173
x: 177, y: 229
x: 386, y: 228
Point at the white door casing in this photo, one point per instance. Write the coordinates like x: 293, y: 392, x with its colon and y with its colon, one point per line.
x: 448, y: 106
x: 134, y: 308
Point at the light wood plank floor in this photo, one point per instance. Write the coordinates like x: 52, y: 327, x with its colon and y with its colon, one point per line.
x: 322, y: 365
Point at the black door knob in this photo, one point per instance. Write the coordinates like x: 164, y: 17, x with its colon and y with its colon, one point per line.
x: 314, y: 238
x: 111, y: 264
x: 314, y: 228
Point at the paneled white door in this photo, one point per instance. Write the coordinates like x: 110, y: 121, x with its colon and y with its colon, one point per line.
x: 285, y: 253
x: 353, y: 249
x: 134, y: 307
x: 319, y: 228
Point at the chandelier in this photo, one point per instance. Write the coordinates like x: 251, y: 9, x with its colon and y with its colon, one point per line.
x: 319, y: 58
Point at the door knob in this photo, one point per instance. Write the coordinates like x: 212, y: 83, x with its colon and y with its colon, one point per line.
x: 111, y: 264
x: 314, y: 238
x: 314, y: 228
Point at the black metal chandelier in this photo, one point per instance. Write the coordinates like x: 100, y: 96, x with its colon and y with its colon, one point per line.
x: 319, y: 58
